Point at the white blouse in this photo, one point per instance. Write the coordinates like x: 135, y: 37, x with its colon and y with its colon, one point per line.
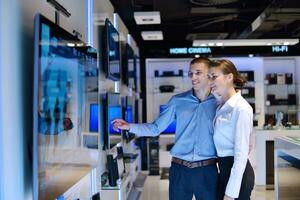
x: 233, y: 125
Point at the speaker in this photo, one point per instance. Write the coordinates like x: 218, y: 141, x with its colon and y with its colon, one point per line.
x: 96, y: 196
x: 289, y: 78
x: 180, y: 72
x: 113, y: 174
x: 166, y: 88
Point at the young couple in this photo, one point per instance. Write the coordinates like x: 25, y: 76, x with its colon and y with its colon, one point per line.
x: 213, y: 121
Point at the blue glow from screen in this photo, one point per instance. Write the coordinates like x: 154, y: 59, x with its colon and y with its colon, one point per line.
x: 129, y: 114
x: 94, y: 118
x: 114, y: 112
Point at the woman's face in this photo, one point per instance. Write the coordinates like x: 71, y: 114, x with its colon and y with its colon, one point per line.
x: 219, y: 82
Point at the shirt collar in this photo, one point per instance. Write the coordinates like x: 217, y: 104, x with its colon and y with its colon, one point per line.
x: 231, y: 102
x: 209, y: 97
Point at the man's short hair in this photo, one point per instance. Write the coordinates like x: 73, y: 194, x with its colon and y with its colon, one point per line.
x: 200, y: 60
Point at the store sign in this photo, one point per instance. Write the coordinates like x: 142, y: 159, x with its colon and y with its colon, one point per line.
x: 280, y: 49
x: 190, y: 50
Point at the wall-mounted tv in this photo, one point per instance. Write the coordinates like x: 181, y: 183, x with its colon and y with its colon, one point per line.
x: 111, y: 110
x: 111, y: 51
x: 131, y: 73
x: 172, y: 127
x: 128, y: 66
x: 94, y: 118
x: 61, y: 62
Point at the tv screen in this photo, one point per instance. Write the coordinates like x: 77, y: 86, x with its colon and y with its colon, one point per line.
x: 172, y: 127
x: 130, y: 109
x: 129, y: 114
x: 131, y: 74
x: 61, y: 62
x: 94, y: 117
x: 111, y: 52
x: 112, y: 109
x: 114, y: 112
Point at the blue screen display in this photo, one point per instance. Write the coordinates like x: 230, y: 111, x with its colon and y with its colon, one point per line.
x: 129, y: 114
x: 114, y: 112
x: 172, y: 127
x: 94, y: 118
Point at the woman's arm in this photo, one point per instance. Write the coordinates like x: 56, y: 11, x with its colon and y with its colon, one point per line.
x: 244, y: 126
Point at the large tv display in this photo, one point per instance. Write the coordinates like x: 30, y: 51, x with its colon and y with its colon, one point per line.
x: 111, y: 51
x: 172, y: 127
x: 61, y: 65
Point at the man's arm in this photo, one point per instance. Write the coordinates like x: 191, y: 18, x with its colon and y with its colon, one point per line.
x: 150, y: 129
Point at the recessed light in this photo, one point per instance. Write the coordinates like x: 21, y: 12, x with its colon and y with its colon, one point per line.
x: 147, y: 17
x: 152, y: 35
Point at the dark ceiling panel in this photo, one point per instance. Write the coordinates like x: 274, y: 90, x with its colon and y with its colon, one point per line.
x: 186, y: 20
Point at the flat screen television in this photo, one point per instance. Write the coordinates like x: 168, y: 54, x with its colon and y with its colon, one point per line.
x: 111, y: 51
x: 94, y: 118
x: 130, y: 109
x: 61, y: 62
x: 112, y: 110
x: 128, y: 66
x: 172, y: 127
x: 131, y: 74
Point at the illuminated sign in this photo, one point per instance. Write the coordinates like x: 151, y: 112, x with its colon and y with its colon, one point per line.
x: 278, y: 49
x: 190, y: 50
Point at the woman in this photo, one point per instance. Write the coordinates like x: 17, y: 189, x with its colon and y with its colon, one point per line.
x: 233, y: 125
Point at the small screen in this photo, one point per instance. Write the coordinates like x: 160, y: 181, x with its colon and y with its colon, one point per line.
x: 172, y: 127
x: 114, y: 112
x: 129, y: 114
x: 94, y: 117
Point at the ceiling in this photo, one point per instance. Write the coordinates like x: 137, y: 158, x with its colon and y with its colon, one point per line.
x: 183, y: 21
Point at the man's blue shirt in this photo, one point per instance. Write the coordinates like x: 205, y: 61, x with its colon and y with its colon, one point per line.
x: 194, y: 126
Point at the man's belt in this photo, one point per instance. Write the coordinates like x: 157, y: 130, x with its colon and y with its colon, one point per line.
x: 194, y: 164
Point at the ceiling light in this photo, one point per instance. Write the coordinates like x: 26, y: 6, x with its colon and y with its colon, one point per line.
x: 219, y: 44
x: 147, y: 17
x: 247, y: 42
x: 152, y: 35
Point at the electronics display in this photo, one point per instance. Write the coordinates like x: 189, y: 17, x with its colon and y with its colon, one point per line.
x: 94, y: 110
x: 114, y: 112
x: 111, y: 51
x: 131, y: 73
x: 248, y: 75
x: 130, y: 117
x: 172, y: 127
x: 111, y: 110
x: 62, y: 63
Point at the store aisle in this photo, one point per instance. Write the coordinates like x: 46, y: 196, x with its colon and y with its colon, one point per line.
x: 157, y: 189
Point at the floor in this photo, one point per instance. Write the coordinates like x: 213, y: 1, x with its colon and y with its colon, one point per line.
x: 157, y: 189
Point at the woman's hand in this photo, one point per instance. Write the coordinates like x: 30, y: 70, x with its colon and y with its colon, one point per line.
x: 228, y: 198
x: 120, y: 124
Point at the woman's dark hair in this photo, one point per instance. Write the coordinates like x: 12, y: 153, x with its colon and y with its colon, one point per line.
x: 228, y: 67
x: 200, y: 60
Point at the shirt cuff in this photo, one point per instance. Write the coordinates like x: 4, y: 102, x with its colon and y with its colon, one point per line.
x: 233, y: 187
x: 133, y: 128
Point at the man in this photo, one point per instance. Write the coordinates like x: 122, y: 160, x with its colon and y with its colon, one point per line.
x: 193, y: 170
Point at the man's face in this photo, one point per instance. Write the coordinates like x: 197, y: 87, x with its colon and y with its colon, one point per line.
x: 198, y: 75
